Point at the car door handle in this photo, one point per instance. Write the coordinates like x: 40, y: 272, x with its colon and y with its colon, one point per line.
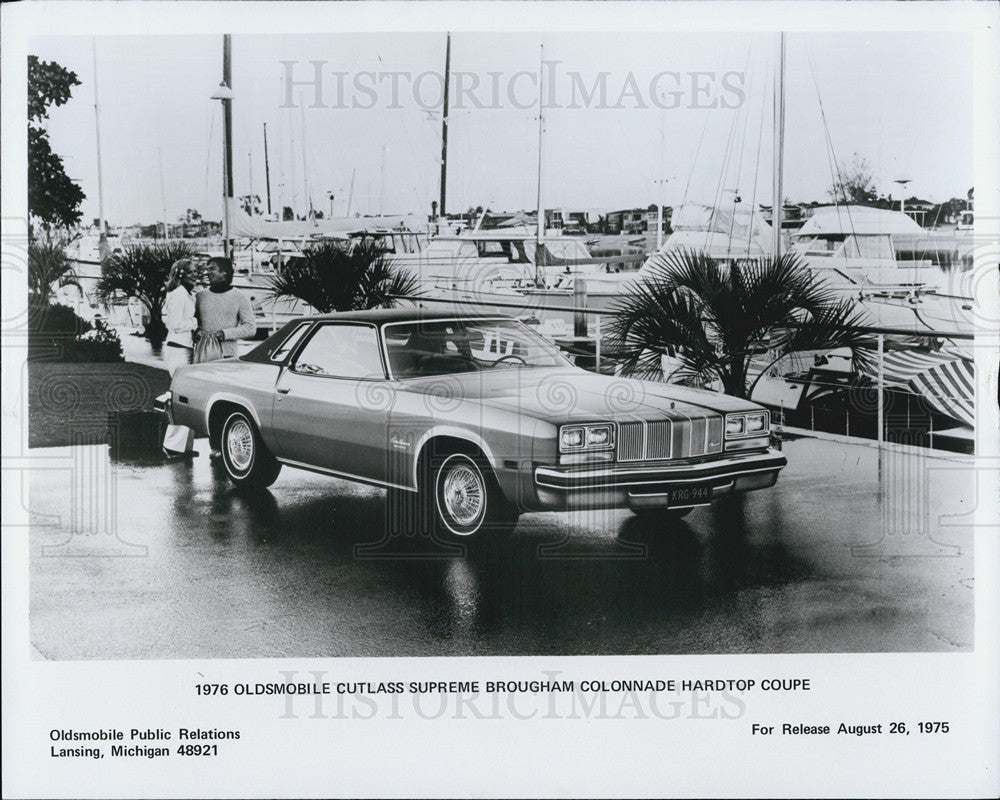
x: 283, y: 390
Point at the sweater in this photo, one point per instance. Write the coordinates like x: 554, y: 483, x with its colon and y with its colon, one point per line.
x: 229, y: 312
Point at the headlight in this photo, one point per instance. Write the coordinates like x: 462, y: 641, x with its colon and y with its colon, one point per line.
x: 757, y: 423
x: 571, y: 438
x: 599, y: 436
x: 753, y: 423
x: 735, y: 425
x: 585, y: 437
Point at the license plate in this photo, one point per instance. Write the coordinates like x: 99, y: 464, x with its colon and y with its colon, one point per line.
x: 689, y: 495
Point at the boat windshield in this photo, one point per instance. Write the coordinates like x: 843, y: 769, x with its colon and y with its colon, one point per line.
x: 860, y: 246
x: 818, y: 245
x: 447, y: 347
x: 877, y: 247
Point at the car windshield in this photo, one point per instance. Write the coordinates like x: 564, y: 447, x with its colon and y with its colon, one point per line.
x: 445, y: 347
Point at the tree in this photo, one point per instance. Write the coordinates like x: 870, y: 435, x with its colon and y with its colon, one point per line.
x: 48, y: 268
x: 141, y: 271
x: 250, y: 203
x: 712, y: 319
x: 855, y: 183
x: 333, y: 277
x: 53, y: 198
x: 287, y: 214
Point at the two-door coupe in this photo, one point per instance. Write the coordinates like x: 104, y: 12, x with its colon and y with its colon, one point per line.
x: 472, y: 419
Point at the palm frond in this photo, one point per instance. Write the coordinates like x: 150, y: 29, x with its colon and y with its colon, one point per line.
x: 141, y: 271
x: 48, y: 268
x: 712, y: 318
x: 334, y: 277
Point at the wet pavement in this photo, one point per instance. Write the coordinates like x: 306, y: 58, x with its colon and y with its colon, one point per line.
x: 141, y: 559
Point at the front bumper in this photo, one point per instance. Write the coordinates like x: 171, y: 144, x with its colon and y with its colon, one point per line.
x: 669, y: 485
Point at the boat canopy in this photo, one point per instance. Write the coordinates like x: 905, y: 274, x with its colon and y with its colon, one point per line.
x: 738, y: 220
x: 945, y: 379
x: 737, y: 232
x: 242, y: 225
x: 859, y: 220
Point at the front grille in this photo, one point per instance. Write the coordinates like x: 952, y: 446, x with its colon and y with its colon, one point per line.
x: 630, y: 441
x: 658, y: 444
x: 663, y: 439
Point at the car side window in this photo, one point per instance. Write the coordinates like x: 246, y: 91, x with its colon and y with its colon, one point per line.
x: 342, y: 351
x: 288, y: 345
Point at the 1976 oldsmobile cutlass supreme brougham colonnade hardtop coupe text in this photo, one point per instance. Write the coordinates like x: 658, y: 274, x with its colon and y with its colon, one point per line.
x: 470, y: 420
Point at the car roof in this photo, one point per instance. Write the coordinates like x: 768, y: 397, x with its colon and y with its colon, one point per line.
x: 380, y: 316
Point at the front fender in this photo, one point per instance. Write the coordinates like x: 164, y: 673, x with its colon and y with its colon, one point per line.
x: 454, y: 432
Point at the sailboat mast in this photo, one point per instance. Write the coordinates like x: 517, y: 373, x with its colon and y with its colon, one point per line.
x: 102, y: 242
x: 779, y: 144
x: 163, y: 197
x: 305, y: 168
x: 540, y: 213
x: 250, y: 201
x: 291, y: 156
x: 444, y: 126
x: 381, y: 184
x: 227, y: 113
x: 267, y: 172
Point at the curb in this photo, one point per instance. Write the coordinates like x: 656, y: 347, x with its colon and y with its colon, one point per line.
x: 893, y: 447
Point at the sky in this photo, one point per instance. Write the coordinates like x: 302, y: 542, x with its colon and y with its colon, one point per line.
x: 684, y: 116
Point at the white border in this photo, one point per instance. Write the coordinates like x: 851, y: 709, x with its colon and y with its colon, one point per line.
x: 510, y: 757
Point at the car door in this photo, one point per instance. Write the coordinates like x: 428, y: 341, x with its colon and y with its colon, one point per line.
x: 332, y: 403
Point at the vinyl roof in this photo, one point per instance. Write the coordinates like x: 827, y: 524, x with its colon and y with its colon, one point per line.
x: 383, y: 315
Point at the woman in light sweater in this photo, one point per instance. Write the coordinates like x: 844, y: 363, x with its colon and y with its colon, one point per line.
x: 178, y: 316
x: 223, y: 312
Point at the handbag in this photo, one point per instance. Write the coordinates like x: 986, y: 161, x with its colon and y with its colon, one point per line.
x: 207, y: 349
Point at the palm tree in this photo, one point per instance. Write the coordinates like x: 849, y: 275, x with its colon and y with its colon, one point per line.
x: 334, y: 277
x: 49, y: 268
x: 141, y: 271
x: 713, y: 318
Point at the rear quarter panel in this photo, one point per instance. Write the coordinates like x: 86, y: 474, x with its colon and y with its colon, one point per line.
x: 196, y: 389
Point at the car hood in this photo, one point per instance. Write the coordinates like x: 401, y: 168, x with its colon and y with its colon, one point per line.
x: 561, y: 395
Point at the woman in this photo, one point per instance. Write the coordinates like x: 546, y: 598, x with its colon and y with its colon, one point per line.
x: 178, y: 316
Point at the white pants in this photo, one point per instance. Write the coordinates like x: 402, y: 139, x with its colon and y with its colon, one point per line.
x: 178, y: 438
x: 176, y: 357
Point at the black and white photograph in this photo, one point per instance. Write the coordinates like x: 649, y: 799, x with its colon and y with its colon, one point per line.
x: 495, y: 375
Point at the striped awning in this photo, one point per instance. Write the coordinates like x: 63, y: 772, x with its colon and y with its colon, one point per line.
x: 945, y: 379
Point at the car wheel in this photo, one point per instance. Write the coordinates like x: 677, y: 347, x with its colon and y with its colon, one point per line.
x: 467, y: 499
x: 246, y: 458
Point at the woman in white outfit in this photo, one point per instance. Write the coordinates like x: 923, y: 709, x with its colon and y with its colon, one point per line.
x: 178, y: 316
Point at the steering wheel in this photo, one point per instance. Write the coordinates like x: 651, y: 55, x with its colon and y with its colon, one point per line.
x: 512, y: 358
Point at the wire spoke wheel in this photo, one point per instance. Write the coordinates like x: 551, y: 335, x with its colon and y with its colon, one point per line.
x: 461, y: 495
x: 246, y: 458
x: 464, y: 494
x: 240, y: 445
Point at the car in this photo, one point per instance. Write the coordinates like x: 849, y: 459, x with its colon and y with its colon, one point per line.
x: 468, y: 421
